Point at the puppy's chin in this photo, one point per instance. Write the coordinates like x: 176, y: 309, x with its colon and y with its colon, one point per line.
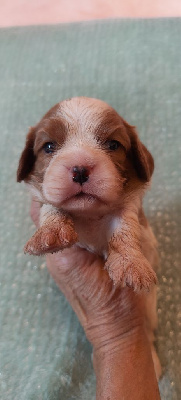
x: 85, y: 204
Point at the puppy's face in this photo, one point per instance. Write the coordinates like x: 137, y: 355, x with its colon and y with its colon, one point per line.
x: 81, y: 155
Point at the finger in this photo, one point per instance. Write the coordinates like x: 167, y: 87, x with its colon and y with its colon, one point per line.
x: 35, y: 211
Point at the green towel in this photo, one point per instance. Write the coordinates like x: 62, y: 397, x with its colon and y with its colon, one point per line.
x: 134, y: 65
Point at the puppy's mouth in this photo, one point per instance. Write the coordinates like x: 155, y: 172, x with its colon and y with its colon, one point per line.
x: 82, y: 201
x: 82, y: 196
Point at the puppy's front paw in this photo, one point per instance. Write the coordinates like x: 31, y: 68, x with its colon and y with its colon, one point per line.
x: 50, y: 238
x: 134, y: 271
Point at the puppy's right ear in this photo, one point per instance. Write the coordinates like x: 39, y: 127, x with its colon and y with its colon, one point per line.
x: 27, y: 158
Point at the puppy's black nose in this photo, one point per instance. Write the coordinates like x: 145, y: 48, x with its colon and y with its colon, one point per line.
x: 80, y: 175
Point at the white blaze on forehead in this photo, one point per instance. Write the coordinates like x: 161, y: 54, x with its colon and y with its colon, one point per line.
x: 81, y: 107
x: 91, y: 120
x: 82, y: 114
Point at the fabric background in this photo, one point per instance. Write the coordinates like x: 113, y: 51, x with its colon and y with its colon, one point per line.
x: 135, y: 65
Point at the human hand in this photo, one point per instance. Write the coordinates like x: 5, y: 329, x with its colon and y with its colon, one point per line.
x: 113, y: 320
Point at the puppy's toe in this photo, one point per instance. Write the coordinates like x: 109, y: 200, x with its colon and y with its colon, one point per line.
x: 140, y: 275
x: 115, y: 269
x: 143, y: 276
x: 41, y: 242
x: 34, y: 244
x: 67, y: 236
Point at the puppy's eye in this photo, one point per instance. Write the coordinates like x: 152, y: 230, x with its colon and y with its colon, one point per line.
x: 49, y: 147
x: 113, y: 145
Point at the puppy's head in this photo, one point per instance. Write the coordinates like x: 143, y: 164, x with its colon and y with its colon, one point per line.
x: 82, y: 155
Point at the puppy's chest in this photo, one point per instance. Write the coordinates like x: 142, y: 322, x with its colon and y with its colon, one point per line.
x: 94, y: 235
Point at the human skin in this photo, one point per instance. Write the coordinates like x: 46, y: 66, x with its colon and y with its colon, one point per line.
x: 113, y: 321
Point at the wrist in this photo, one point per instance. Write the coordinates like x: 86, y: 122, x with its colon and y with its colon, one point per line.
x: 126, y: 370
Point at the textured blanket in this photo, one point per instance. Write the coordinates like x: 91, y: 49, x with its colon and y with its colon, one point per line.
x: 134, y: 65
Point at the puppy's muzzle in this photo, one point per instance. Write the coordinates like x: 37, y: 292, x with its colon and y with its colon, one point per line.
x: 80, y: 174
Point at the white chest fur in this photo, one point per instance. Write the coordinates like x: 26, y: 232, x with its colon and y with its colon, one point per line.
x: 94, y: 234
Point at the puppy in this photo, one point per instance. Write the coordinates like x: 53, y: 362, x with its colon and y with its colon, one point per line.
x: 89, y: 170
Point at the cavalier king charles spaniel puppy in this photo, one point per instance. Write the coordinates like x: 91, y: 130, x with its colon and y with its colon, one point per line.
x: 89, y: 170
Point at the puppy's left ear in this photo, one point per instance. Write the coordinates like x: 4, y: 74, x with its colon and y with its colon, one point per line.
x: 141, y: 158
x: 27, y: 158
